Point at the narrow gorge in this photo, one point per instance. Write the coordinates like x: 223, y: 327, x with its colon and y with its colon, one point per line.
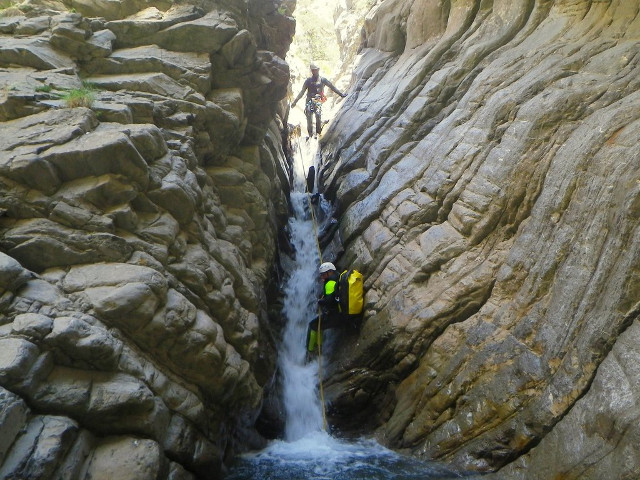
x: 484, y: 172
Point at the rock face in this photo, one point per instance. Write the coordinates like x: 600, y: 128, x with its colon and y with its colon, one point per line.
x: 137, y: 234
x: 485, y: 167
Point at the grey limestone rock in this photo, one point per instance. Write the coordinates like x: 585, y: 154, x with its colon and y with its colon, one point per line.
x: 184, y: 66
x: 133, y: 323
x: 126, y: 458
x: 484, y: 167
x: 599, y: 437
x: 12, y: 274
x: 32, y: 52
x: 13, y: 417
x: 136, y: 29
x: 206, y: 34
x: 37, y: 451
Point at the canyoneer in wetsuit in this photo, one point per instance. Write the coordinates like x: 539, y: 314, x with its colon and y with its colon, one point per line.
x: 329, y: 303
x: 314, y: 86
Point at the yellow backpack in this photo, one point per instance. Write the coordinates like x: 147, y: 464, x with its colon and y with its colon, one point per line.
x: 351, y: 292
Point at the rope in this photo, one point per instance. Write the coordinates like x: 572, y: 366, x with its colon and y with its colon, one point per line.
x: 315, y: 233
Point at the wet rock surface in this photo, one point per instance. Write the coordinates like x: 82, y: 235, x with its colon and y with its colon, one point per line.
x: 138, y: 227
x: 485, y: 170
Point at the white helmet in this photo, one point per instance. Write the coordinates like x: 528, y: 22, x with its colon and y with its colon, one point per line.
x: 326, y: 267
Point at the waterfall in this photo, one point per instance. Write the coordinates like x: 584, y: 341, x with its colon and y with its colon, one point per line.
x: 307, y: 451
x: 300, y: 379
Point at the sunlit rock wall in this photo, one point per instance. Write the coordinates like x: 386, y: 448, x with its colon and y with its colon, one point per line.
x: 485, y: 167
x: 137, y: 233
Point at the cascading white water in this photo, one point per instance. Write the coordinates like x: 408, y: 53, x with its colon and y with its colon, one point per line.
x: 300, y: 393
x: 308, y: 452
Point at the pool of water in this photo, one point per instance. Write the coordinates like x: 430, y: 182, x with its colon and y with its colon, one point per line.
x: 319, y: 456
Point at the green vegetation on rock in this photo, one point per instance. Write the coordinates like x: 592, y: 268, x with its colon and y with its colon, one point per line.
x: 80, y: 97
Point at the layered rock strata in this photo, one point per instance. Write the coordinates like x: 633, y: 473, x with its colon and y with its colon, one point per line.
x: 142, y: 179
x: 485, y: 168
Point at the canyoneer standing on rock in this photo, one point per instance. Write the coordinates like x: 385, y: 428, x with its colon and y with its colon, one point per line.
x: 335, y: 311
x: 328, y: 303
x: 314, y: 86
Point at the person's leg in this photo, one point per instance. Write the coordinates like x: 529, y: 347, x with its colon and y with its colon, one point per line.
x: 333, y: 320
x: 311, y: 179
x: 309, y: 115
x: 318, y: 123
x: 318, y: 325
x: 312, y: 335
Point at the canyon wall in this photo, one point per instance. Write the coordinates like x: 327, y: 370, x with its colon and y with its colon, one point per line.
x: 142, y: 180
x: 485, y: 170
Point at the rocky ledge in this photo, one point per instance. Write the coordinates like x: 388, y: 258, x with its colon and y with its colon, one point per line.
x: 142, y: 179
x: 485, y: 166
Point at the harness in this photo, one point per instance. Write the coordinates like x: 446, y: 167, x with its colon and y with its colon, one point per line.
x: 314, y: 104
x: 316, y: 95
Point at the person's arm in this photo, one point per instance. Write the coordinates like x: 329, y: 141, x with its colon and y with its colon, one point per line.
x: 332, y: 87
x: 304, y: 89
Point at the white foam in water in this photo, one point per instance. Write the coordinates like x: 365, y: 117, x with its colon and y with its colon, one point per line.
x: 318, y: 456
x: 322, y: 446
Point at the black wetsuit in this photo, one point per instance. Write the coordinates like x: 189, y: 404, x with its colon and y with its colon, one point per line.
x: 329, y: 307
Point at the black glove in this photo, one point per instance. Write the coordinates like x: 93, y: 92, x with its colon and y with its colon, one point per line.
x: 343, y: 95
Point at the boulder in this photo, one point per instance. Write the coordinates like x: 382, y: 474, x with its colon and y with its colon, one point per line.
x: 188, y: 67
x: 9, y: 23
x: 12, y: 274
x: 47, y: 128
x: 156, y: 83
x: 33, y: 26
x: 105, y: 150
x: 56, y: 245
x: 177, y: 196
x: 32, y: 52
x: 44, y: 295
x: 32, y: 325
x: 77, y: 44
x: 30, y: 133
x: 114, y: 9
x: 84, y: 342
x: 136, y: 29
x: 177, y: 472
x: 127, y: 458
x: 13, y: 417
x: 117, y: 399
x: 39, y: 450
x: 240, y: 50
x: 104, y: 192
x: 204, y: 35
x: 79, y: 218
x: 31, y: 90
x: 17, y: 358
x: 101, y: 275
x: 114, y: 112
x: 131, y: 305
